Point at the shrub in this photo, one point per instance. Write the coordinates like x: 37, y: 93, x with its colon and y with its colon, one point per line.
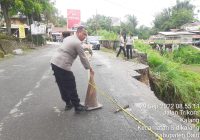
x: 107, y: 35
x: 38, y: 40
x: 4, y: 36
x: 1, y: 54
x: 187, y: 55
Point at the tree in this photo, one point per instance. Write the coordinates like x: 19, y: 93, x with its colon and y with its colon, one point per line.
x: 115, y: 29
x: 107, y: 35
x: 182, y: 13
x: 6, y: 6
x: 183, y: 5
x: 162, y: 20
x: 51, y: 13
x: 34, y: 9
x: 175, y: 16
x: 1, y: 18
x: 143, y: 32
x: 98, y: 22
x: 131, y: 23
x: 31, y: 8
x: 61, y: 21
x: 181, y: 17
x: 129, y: 26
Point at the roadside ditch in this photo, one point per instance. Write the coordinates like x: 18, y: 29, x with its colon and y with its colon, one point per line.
x: 167, y: 92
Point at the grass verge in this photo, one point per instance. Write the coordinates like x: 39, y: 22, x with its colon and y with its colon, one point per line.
x: 173, y: 82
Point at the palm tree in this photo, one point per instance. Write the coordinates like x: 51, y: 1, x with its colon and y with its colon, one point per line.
x: 131, y: 23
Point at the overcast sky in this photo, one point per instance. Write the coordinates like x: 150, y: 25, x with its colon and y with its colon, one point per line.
x: 144, y: 10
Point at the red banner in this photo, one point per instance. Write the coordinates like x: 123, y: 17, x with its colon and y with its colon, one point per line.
x: 73, y: 18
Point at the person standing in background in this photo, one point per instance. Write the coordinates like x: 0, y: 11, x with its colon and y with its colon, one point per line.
x: 122, y: 45
x: 129, y: 44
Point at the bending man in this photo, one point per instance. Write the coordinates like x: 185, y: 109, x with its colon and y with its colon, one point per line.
x: 61, y: 64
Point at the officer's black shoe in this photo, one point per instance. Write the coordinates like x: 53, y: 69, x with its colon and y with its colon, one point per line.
x: 80, y: 108
x: 68, y: 106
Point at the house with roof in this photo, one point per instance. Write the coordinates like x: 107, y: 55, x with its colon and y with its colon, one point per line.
x: 180, y: 37
x: 193, y: 28
x: 16, y: 21
x: 172, y: 37
x: 188, y: 34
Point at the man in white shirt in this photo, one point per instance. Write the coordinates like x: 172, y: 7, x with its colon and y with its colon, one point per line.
x: 122, y: 46
x: 129, y: 44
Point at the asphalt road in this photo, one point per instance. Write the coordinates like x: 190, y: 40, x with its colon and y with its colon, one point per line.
x: 31, y: 108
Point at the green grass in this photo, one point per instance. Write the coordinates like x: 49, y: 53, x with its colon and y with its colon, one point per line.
x: 174, y: 82
x: 186, y: 55
x: 194, y: 68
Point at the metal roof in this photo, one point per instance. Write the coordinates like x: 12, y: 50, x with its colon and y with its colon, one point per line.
x: 176, y: 33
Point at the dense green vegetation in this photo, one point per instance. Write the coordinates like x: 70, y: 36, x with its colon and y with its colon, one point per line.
x: 186, y: 55
x: 105, y: 35
x: 98, y: 22
x: 38, y: 40
x: 171, y: 81
x: 34, y: 10
x: 174, y: 17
